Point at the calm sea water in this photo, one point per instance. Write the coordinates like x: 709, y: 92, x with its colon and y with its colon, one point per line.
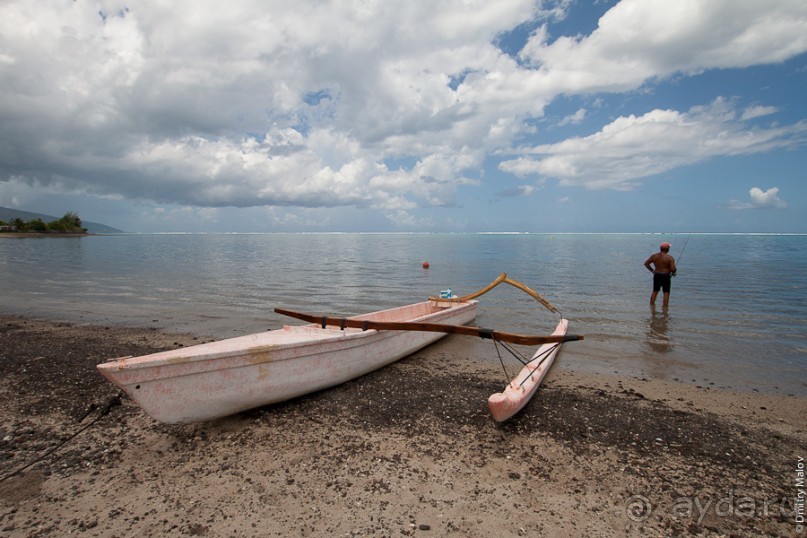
x: 738, y: 314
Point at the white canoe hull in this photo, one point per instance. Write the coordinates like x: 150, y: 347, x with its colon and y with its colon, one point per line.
x: 518, y: 392
x: 221, y: 378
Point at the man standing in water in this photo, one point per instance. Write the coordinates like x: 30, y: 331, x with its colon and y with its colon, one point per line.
x: 662, y: 265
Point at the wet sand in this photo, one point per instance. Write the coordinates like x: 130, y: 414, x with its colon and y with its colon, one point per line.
x: 409, y: 450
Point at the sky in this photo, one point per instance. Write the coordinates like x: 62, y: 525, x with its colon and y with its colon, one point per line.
x: 408, y: 116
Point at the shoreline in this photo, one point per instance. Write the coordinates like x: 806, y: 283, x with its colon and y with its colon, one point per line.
x: 407, y: 450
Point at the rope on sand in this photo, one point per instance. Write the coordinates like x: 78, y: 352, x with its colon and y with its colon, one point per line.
x: 105, y: 409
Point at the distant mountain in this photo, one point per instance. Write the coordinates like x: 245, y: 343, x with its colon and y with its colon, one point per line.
x: 7, y: 214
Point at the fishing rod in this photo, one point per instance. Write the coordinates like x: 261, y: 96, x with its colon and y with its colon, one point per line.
x: 681, y: 255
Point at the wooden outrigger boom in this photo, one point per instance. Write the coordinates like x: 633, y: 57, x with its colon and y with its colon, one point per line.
x: 499, y: 336
x: 520, y: 389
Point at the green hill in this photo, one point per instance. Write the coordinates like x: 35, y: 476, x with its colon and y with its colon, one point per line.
x: 7, y: 214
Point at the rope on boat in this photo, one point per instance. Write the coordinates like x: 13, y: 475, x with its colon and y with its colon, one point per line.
x: 541, y: 358
x: 520, y: 357
x: 501, y: 360
x: 105, y: 409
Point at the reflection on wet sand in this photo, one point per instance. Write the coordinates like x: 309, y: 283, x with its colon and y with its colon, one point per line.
x: 658, y: 339
x: 660, y: 362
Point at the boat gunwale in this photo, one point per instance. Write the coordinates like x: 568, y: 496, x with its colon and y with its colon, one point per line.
x: 177, y: 357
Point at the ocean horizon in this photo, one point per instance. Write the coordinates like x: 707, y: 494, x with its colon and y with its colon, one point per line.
x: 336, y: 232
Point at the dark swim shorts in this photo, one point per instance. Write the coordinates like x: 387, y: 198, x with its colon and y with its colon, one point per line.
x: 662, y: 281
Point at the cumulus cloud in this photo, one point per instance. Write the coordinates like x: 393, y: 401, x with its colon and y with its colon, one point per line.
x: 639, y: 40
x: 634, y: 147
x: 259, y: 103
x: 311, y: 104
x: 760, y: 199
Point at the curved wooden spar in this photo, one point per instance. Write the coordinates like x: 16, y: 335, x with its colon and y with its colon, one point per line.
x: 343, y: 323
x: 502, y: 278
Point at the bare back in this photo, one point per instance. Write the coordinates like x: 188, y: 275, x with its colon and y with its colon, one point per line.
x: 661, y: 263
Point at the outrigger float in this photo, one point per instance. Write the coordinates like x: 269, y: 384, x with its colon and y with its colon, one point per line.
x: 217, y: 379
x: 520, y: 390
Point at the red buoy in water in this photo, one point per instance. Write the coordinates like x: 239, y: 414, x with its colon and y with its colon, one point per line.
x: 425, y: 265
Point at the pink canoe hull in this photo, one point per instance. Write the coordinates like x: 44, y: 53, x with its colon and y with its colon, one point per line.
x: 221, y: 378
x: 518, y: 392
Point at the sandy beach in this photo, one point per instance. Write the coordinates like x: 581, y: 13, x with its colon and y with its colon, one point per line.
x: 409, y: 450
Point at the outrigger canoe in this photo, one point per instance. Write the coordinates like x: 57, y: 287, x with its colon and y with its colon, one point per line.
x: 217, y: 379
